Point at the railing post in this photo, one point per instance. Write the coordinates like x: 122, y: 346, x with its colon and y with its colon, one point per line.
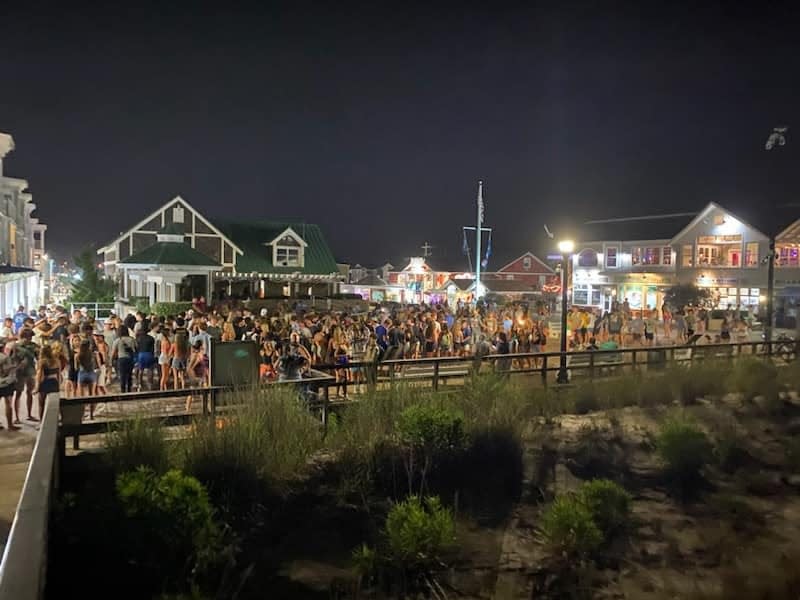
x: 212, y: 397
x: 591, y: 365
x: 435, y: 382
x: 205, y: 403
x: 326, y: 396
x: 633, y: 360
x: 544, y: 370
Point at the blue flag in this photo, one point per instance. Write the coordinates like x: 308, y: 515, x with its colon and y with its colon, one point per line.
x: 485, y: 260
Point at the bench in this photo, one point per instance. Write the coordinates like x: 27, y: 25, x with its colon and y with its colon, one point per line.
x: 605, y: 362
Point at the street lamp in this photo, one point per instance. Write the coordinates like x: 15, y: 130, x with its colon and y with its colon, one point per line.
x: 566, y: 248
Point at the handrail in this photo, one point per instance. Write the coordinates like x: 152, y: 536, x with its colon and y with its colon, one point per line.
x: 22, y: 570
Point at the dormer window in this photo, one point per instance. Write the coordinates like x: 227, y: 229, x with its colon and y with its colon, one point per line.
x: 287, y: 257
x: 288, y: 249
x: 177, y: 214
x: 526, y: 263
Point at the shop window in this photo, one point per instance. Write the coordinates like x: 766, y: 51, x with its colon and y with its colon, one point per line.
x: 587, y: 258
x: 666, y: 255
x: 611, y: 258
x: 751, y: 254
x: 686, y: 256
x: 580, y: 294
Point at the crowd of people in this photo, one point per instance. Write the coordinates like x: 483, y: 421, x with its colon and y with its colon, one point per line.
x: 51, y: 350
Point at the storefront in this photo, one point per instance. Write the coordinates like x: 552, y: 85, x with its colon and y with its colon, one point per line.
x: 593, y: 290
x: 729, y: 291
x: 644, y: 291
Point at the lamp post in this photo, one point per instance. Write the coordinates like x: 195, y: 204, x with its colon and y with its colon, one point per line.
x: 565, y: 247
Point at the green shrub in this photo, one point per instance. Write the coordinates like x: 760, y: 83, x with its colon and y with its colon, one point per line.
x: 684, y: 448
x: 753, y: 377
x: 428, y: 433
x: 419, y: 532
x: 365, y: 561
x: 569, y: 527
x: 138, y: 442
x: 170, y: 309
x: 171, y: 531
x: 608, y: 503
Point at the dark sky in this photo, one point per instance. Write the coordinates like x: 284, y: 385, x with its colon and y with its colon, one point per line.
x: 376, y: 121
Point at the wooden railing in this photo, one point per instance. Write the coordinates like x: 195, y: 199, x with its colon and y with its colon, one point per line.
x: 24, y: 564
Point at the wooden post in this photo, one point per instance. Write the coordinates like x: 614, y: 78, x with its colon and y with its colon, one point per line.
x: 435, y: 382
x: 326, y: 397
x: 205, y: 403
x: 591, y: 365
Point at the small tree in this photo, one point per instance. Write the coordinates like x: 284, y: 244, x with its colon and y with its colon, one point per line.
x: 92, y: 286
x: 687, y: 294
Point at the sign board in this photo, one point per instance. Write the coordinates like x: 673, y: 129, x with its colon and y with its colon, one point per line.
x: 233, y: 363
x: 554, y: 257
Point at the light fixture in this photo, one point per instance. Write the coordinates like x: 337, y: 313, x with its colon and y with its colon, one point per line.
x: 566, y: 246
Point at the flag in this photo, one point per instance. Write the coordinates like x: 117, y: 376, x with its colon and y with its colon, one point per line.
x: 485, y: 261
x: 480, y: 203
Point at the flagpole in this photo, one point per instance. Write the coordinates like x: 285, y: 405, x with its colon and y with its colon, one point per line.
x: 478, y: 242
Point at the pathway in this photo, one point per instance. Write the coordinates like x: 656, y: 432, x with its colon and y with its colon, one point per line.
x: 15, y: 452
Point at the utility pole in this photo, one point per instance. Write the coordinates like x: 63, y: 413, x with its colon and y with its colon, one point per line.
x: 776, y: 138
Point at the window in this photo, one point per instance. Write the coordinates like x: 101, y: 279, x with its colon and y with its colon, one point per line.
x: 751, y: 254
x: 636, y: 256
x: 587, y: 258
x: 651, y: 256
x: 788, y: 255
x: 177, y: 214
x: 719, y: 250
x: 666, y: 255
x: 611, y: 258
x: 509, y: 277
x: 580, y: 294
x: 287, y: 257
x: 526, y: 263
x: 686, y: 256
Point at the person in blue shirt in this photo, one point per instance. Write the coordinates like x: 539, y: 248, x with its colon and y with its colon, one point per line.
x: 380, y: 333
x: 19, y: 319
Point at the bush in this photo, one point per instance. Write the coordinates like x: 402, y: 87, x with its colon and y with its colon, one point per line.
x: 569, y: 527
x: 170, y: 309
x: 419, y: 532
x: 753, y: 377
x: 171, y: 531
x: 685, y: 448
x: 608, y: 503
x: 428, y: 433
x: 431, y: 429
x: 138, y: 442
x: 266, y: 442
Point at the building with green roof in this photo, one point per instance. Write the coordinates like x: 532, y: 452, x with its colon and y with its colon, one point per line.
x: 176, y: 253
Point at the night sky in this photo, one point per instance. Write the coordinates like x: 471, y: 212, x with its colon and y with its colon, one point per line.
x: 376, y: 121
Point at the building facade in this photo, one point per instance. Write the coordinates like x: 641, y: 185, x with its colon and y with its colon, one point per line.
x: 713, y: 249
x: 176, y: 253
x: 21, y: 240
